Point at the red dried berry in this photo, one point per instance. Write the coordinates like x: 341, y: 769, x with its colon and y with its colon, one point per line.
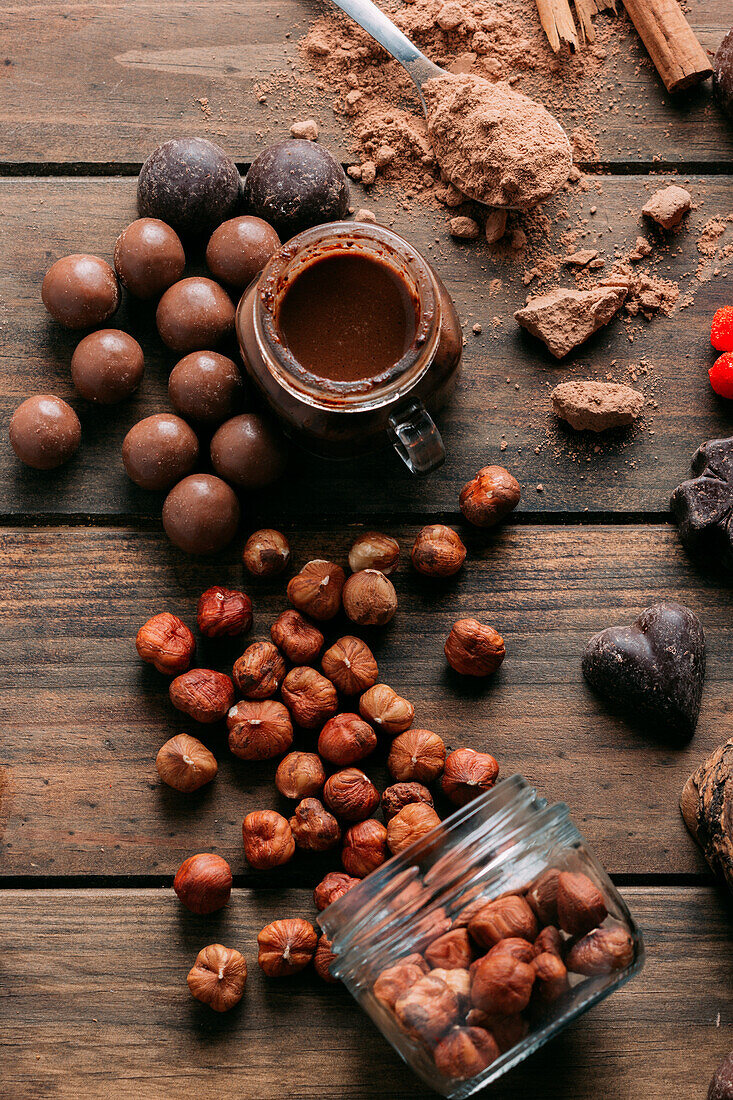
x: 721, y: 330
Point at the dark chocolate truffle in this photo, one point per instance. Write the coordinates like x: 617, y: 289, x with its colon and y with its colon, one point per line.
x: 248, y: 451
x: 188, y: 183
x: 107, y: 366
x: 205, y: 387
x: 723, y: 74
x: 45, y: 432
x: 80, y: 291
x: 194, y: 314
x: 201, y: 514
x: 159, y: 450
x: 703, y: 506
x: 239, y: 249
x: 296, y: 184
x: 149, y: 257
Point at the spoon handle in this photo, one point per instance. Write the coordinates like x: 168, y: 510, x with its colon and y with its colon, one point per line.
x: 371, y: 19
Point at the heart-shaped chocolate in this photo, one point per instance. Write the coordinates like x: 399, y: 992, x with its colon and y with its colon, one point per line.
x: 653, y: 669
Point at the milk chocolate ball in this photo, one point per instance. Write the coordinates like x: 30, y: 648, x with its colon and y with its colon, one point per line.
x: 107, y: 366
x: 201, y: 514
x: 159, y: 450
x: 188, y: 183
x: 194, y: 314
x: 249, y: 451
x: 80, y: 291
x: 149, y: 257
x: 45, y: 432
x: 239, y: 249
x: 205, y: 387
x: 295, y: 184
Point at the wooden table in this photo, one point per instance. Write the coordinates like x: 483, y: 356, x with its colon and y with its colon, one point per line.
x: 94, y: 949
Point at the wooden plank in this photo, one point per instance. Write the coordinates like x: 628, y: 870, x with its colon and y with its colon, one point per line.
x: 126, y: 77
x: 95, y: 1004
x: 501, y: 399
x: 83, y: 718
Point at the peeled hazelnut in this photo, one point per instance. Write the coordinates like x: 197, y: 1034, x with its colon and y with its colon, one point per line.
x: 459, y: 980
x: 508, y: 1031
x: 300, y: 641
x: 473, y: 649
x: 416, y: 960
x: 314, y: 828
x: 323, y: 958
x: 428, y: 1009
x: 517, y: 947
x: 416, y: 754
x: 374, y: 551
x: 299, y: 775
x: 286, y: 946
x: 438, y: 551
x: 167, y: 643
x: 259, y: 730
x: 218, y: 977
x: 202, y: 694
x: 550, y: 940
x: 399, y: 795
x: 551, y: 976
x: 387, y: 710
x: 346, y: 739
x: 467, y: 774
x: 395, y: 981
x: 333, y: 887
x: 501, y: 919
x: 451, y: 951
x: 351, y: 795
x: 501, y: 985
x: 260, y: 670
x: 268, y: 840
x: 465, y: 1052
x: 580, y: 904
x: 369, y: 598
x: 350, y: 665
x: 203, y: 883
x: 224, y: 613
x: 490, y: 496
x: 266, y: 553
x: 316, y: 590
x: 409, y: 825
x: 601, y: 952
x: 542, y: 896
x: 185, y: 764
x: 365, y: 848
x: 310, y: 697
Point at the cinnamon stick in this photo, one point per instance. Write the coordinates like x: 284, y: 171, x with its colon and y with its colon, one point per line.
x: 586, y: 9
x: 558, y: 23
x: 671, y: 42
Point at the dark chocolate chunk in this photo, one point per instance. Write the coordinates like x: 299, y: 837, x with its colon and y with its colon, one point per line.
x: 723, y: 74
x: 703, y: 506
x: 188, y: 183
x: 295, y: 184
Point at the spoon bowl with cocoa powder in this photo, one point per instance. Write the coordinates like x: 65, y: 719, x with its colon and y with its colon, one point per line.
x: 495, y: 145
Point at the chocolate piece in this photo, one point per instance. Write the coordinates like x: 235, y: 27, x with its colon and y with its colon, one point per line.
x: 563, y: 319
x: 107, y: 366
x: 80, y: 291
x: 205, y: 387
x: 668, y: 206
x: 201, y: 514
x: 45, y: 432
x: 239, y: 249
x: 703, y: 506
x: 194, y: 314
x: 248, y: 451
x: 653, y: 669
x: 159, y: 450
x: 707, y: 807
x: 149, y: 257
x: 721, y: 1086
x: 723, y: 74
x: 295, y: 184
x: 188, y: 183
x: 596, y: 406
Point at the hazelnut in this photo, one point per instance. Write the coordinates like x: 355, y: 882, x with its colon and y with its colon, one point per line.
x: 467, y: 774
x: 395, y: 981
x: 203, y: 883
x: 323, y: 958
x: 374, y: 551
x: 516, y: 947
x: 268, y: 840
x: 416, y: 754
x: 580, y: 904
x: 346, y: 739
x: 365, y: 848
x: 299, y: 775
x: 550, y: 940
x: 399, y: 795
x: 369, y: 598
x: 260, y: 670
x: 224, y: 613
x: 266, y: 553
x: 409, y: 825
x: 166, y: 643
x: 185, y: 764
x: 501, y: 919
x: 300, y: 641
x: 490, y: 496
x: 259, y: 730
x: 316, y: 590
x: 451, y: 951
x: 501, y: 985
x: 459, y: 980
x: 286, y: 946
x: 551, y: 976
x: 416, y: 960
x: 428, y: 1009
x: 333, y: 887
x: 350, y: 794
x: 473, y: 649
x: 350, y: 665
x: 310, y: 697
x: 542, y: 896
x: 508, y: 1031
x: 387, y: 710
x: 601, y: 952
x: 438, y: 551
x: 465, y: 1052
x: 314, y: 828
x: 218, y: 977
x: 202, y: 694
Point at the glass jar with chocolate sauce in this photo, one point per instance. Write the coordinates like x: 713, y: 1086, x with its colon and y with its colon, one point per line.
x: 350, y: 334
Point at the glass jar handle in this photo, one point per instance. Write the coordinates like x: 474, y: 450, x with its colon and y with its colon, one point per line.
x: 416, y: 439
